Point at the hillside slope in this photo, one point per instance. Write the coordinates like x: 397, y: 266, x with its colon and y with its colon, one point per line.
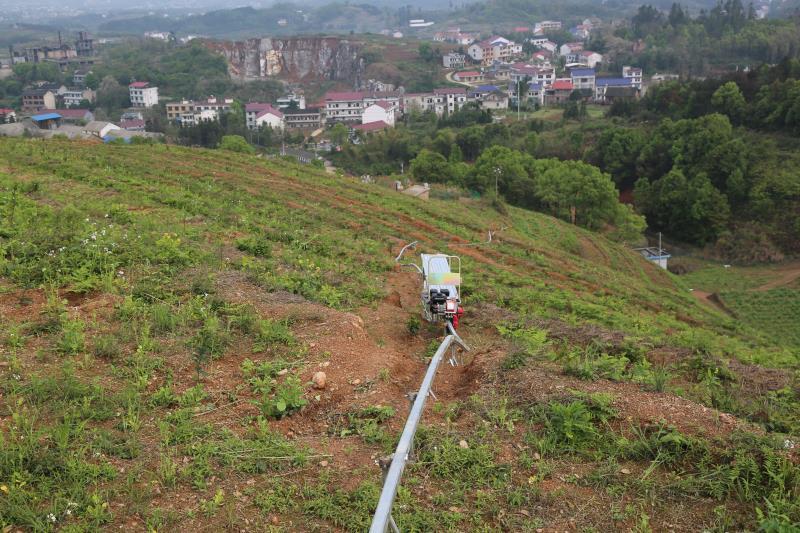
x: 164, y: 310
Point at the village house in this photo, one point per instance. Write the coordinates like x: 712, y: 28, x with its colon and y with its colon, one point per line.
x: 191, y: 112
x: 284, y: 102
x: 602, y: 85
x: 494, y: 49
x: 581, y: 31
x: 455, y: 35
x: 369, y: 128
x: 541, y: 58
x: 381, y: 111
x: 589, y: 58
x: 349, y: 106
x: 570, y: 50
x: 99, y: 128
x: 142, y: 94
x: 546, y: 26
x: 79, y: 76
x: 73, y: 97
x: 7, y: 115
x: 559, y: 92
x: 310, y: 118
x: 454, y: 60
x: 258, y: 115
x: 583, y: 78
x: 536, y: 93
x: 133, y: 124
x: 468, y: 76
x: 73, y: 116
x: 38, y: 99
x: 634, y: 74
x: 344, y: 106
x: 47, y: 121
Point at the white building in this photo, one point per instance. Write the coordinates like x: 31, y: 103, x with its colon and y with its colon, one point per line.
x: 454, y: 60
x: 570, y: 49
x: 142, y: 94
x: 74, y: 97
x: 258, y: 115
x: 381, y: 111
x: 583, y: 78
x: 591, y: 59
x: 99, y: 129
x: 190, y: 112
x: 344, y: 106
x: 285, y: 101
x: 635, y: 75
x: 546, y: 25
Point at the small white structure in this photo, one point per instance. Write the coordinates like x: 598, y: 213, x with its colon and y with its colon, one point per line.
x: 657, y: 255
x: 634, y: 74
x: 99, y: 128
x: 142, y: 94
x: 380, y: 111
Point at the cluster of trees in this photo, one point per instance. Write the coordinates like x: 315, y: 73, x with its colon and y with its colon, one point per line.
x: 571, y: 190
x: 725, y: 36
x: 766, y: 98
x: 701, y: 180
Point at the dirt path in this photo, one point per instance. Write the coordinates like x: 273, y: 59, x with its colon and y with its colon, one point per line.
x: 785, y: 277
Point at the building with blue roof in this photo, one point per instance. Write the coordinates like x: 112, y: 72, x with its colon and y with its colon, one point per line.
x: 583, y: 78
x: 603, y: 84
x: 47, y: 121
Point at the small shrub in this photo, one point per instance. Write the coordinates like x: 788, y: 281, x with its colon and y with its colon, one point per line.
x: 413, y: 324
x: 163, y: 318
x: 288, y: 398
x: 571, y: 424
x: 72, y: 339
x: 106, y: 347
x: 272, y: 332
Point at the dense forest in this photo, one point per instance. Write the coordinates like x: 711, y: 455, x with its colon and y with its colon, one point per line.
x: 726, y: 37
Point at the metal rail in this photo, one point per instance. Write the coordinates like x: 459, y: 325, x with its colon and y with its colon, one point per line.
x: 382, y: 519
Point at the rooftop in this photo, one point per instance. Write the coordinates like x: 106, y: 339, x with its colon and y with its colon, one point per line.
x: 450, y: 90
x: 582, y: 72
x: 371, y: 126
x: 139, y: 84
x: 606, y: 82
x: 344, y: 96
x: 562, y: 85
x: 68, y: 113
x: 468, y: 73
x: 45, y: 116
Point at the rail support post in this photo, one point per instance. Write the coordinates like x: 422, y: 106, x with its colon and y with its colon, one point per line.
x: 385, y: 463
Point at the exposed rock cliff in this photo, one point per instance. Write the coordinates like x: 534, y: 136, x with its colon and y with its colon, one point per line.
x: 293, y: 58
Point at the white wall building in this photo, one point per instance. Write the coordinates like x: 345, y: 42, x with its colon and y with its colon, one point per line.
x: 258, y: 115
x: 635, y: 75
x: 381, y: 111
x: 142, y: 94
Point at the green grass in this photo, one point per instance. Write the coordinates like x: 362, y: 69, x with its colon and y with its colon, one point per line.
x: 166, y: 380
x: 776, y: 312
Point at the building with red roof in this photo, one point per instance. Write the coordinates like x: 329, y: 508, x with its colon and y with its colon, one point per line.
x: 7, y: 115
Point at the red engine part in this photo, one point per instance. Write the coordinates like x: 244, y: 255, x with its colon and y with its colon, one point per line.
x: 459, y: 313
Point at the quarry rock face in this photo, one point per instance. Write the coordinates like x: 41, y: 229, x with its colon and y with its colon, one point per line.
x: 293, y: 58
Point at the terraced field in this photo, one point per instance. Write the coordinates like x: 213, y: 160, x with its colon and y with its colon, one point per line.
x: 164, y: 309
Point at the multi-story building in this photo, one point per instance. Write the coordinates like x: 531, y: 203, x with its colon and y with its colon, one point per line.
x: 258, y: 115
x: 381, y: 111
x: 74, y: 96
x: 546, y: 26
x: 602, y: 85
x: 308, y: 118
x: 38, y: 99
x: 558, y: 92
x: 285, y: 101
x: 344, y: 106
x: 142, y: 94
x: 79, y: 76
x: 583, y: 78
x: 634, y: 74
x: 494, y: 49
x: 349, y: 106
x: 440, y: 101
x: 190, y: 112
x: 454, y: 60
